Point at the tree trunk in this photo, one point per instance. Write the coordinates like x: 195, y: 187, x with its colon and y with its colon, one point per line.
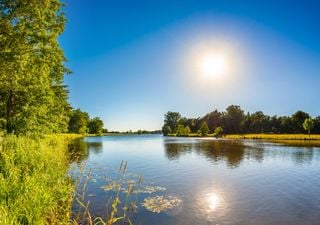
x: 10, y: 112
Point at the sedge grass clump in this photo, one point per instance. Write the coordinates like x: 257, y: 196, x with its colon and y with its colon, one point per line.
x: 34, y: 188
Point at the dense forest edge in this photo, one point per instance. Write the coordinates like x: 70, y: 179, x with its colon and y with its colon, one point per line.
x: 235, y: 123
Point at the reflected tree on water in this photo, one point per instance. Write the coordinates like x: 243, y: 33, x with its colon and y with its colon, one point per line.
x: 79, y: 150
x: 231, y: 152
x: 175, y: 150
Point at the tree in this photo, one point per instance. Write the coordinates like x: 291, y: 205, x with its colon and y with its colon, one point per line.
x: 32, y: 95
x: 316, y: 127
x: 204, y: 129
x: 78, y: 122
x: 259, y: 122
x: 298, y: 119
x: 187, y: 130
x: 213, y: 119
x: 218, y: 131
x: 171, y: 119
x: 95, y: 126
x: 166, y: 130
x: 308, y: 124
x: 183, y: 131
x: 180, y: 130
x: 234, y: 117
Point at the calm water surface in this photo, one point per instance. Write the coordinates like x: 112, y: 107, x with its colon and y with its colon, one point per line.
x: 218, y: 181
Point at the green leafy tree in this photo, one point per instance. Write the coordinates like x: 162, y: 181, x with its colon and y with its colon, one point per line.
x: 95, y: 126
x: 204, y: 129
x: 218, y: 131
x: 183, y: 131
x: 308, y: 124
x: 78, y: 122
x: 180, y: 130
x: 213, y: 119
x: 187, y: 130
x: 166, y: 130
x: 172, y: 119
x: 298, y: 119
x: 234, y: 118
x: 32, y: 95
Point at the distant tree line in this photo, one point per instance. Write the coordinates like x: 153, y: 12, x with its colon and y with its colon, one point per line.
x: 235, y: 121
x: 134, y: 132
x: 33, y: 98
x: 81, y: 123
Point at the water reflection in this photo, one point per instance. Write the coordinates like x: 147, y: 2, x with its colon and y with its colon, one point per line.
x: 213, y: 201
x: 80, y: 149
x: 212, y: 204
x: 175, y: 150
x: 232, y: 152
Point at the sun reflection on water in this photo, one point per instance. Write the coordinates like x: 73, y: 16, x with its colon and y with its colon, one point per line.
x: 213, y: 201
x: 212, y: 204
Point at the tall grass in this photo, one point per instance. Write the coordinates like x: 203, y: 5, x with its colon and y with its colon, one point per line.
x: 34, y: 186
x: 118, y: 212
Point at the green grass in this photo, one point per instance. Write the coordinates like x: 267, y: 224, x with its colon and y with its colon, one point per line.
x: 274, y: 136
x: 34, y: 186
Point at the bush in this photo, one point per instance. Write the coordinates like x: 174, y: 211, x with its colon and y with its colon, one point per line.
x: 218, y: 131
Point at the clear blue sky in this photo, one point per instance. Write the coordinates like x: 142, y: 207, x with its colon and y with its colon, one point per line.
x: 132, y: 60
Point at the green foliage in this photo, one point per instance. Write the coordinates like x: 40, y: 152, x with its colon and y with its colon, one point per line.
x: 34, y: 188
x: 32, y: 97
x: 183, y: 131
x: 204, y: 129
x: 298, y: 118
x: 95, y: 126
x: 166, y: 130
x: 235, y: 121
x: 78, y: 122
x: 234, y: 118
x: 308, y: 124
x: 218, y: 131
x: 187, y: 130
x: 172, y: 119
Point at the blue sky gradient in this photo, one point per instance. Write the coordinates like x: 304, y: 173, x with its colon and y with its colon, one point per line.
x: 131, y: 64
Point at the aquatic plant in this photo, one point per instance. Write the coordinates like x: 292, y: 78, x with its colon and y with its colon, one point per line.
x: 161, y: 203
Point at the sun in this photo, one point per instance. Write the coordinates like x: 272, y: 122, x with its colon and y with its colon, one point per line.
x: 213, y: 64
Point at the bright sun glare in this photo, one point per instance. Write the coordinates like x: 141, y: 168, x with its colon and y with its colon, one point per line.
x: 213, y: 201
x: 213, y: 65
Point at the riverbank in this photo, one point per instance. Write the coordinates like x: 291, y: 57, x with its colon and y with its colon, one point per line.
x: 294, y: 137
x: 34, y: 187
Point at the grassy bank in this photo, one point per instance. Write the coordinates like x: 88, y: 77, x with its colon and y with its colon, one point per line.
x: 274, y: 136
x: 294, y: 137
x: 34, y: 187
x: 191, y: 135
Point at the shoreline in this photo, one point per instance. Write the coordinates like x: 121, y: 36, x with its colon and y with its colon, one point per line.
x: 284, y: 137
